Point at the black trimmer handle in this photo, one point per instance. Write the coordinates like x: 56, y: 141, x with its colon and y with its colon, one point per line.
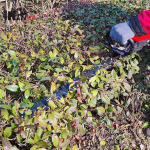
x: 123, y: 50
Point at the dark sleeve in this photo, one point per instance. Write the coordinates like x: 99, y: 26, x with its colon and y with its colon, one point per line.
x: 137, y: 27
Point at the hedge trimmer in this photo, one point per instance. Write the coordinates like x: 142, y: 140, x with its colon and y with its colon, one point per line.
x: 134, y: 44
x: 117, y: 51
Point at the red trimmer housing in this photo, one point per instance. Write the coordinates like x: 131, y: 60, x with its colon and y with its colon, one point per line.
x: 141, y: 38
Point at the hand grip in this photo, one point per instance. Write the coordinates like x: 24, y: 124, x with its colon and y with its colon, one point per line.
x: 122, y: 50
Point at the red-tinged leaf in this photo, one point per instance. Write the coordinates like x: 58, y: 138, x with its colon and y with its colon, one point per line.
x: 79, y: 91
x: 28, y: 17
x: 79, y: 99
x: 33, y: 17
x: 30, y: 126
x: 66, y: 143
x: 23, y: 134
x: 61, y: 140
x: 75, y: 124
x: 6, y: 144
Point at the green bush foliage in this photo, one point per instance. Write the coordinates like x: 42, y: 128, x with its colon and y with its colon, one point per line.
x: 49, y: 50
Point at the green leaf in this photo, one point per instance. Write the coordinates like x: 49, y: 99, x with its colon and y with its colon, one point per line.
x: 43, y: 58
x: 94, y: 92
x: 42, y: 122
x: 19, y: 138
x: 12, y: 53
x: 62, y: 60
x: 50, y: 54
x: 76, y: 55
x: 5, y: 106
x: 14, y: 110
x: 127, y: 86
x: 17, y: 105
x: 37, y: 32
x: 30, y: 141
x: 102, y: 143
x: 93, y: 79
x: 55, y: 52
x: 12, y: 88
x: 70, y: 110
x: 28, y: 73
x: 44, y: 36
x: 37, y: 138
x: 14, y: 148
x: 52, y: 104
x: 130, y: 74
x: 22, y: 86
x: 81, y: 129
x: 75, y: 147
x: 7, y: 132
x: 4, y: 37
x: 13, y: 125
x: 92, y: 102
x: 52, y: 119
x: 28, y: 112
x: 25, y: 105
x: 145, y: 125
x: 34, y: 147
x: 42, y: 144
x: 55, y: 140
x: 77, y: 73
x: 4, y: 113
x: 117, y: 147
x: 148, y: 85
x: 101, y: 110
x: 27, y: 93
x: 80, y: 31
x: 45, y: 79
x: 114, y: 74
x: 85, y: 89
x: 53, y: 87
x: 39, y: 132
x: 106, y: 99
x: 2, y: 94
x: 15, y: 61
x: 64, y: 135
x: 58, y: 115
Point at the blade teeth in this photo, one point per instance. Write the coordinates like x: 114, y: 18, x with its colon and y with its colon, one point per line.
x: 64, y: 89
